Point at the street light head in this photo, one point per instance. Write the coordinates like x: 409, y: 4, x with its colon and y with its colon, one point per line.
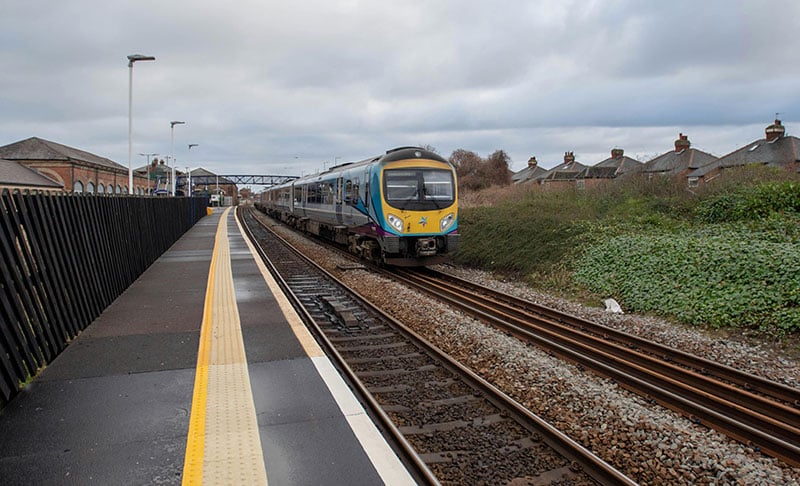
x: 132, y: 58
x: 193, y: 145
x: 173, y: 123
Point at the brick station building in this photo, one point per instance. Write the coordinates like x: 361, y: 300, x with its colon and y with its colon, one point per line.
x: 77, y: 170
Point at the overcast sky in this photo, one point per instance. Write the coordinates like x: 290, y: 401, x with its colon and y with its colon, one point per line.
x: 283, y: 87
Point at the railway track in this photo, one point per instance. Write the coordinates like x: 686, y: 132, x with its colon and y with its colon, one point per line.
x: 452, y: 426
x: 753, y: 410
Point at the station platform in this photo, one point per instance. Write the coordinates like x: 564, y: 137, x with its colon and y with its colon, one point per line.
x: 200, y: 372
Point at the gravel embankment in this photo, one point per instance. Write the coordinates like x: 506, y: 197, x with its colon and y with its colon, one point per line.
x: 649, y: 443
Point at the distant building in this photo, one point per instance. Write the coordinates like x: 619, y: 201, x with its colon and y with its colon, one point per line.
x: 678, y: 162
x: 776, y: 149
x: 159, y: 176
x: 615, y: 166
x: 206, y: 183
x: 16, y: 177
x: 531, y: 171
x: 561, y: 176
x: 76, y: 170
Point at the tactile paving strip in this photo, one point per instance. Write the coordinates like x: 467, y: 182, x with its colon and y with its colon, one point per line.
x: 223, y: 445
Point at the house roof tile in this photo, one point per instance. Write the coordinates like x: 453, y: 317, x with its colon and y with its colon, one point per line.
x: 15, y: 174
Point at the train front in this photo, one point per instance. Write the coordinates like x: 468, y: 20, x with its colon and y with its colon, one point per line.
x: 419, y: 207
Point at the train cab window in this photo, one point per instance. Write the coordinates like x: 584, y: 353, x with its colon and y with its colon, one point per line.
x: 401, y: 185
x: 419, y: 189
x: 437, y: 185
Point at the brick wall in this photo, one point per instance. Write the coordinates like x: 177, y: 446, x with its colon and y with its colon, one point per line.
x: 69, y: 172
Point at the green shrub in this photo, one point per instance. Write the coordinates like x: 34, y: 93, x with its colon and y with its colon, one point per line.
x: 724, y: 254
x: 748, y: 203
x: 721, y: 277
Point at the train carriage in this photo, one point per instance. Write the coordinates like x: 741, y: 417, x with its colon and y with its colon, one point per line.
x: 400, y: 208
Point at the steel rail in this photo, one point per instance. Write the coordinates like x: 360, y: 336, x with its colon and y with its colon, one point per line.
x: 590, y: 463
x: 421, y: 470
x: 638, y: 372
x: 753, y: 383
x: 743, y: 399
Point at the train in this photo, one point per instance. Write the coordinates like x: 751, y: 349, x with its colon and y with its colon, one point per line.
x: 396, y: 209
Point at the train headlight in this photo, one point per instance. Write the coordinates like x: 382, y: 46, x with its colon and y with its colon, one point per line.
x: 447, y: 221
x: 396, y: 222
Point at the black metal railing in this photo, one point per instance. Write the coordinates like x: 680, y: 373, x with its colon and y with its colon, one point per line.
x: 65, y: 258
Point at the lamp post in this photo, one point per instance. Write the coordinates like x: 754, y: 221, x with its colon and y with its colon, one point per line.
x: 148, y: 169
x: 172, y: 150
x: 132, y: 58
x: 188, y: 171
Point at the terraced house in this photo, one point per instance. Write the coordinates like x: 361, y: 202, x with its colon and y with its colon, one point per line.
x: 776, y: 149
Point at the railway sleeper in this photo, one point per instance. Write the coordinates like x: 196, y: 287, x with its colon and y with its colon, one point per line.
x: 453, y: 425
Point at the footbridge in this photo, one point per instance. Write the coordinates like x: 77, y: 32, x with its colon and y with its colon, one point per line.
x: 239, y: 180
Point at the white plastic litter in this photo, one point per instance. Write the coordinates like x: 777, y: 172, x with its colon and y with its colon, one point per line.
x: 613, y: 307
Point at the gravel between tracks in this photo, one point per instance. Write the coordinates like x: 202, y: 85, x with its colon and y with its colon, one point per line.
x: 649, y: 443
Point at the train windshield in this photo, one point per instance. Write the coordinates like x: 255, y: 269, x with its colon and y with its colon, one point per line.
x: 418, y: 189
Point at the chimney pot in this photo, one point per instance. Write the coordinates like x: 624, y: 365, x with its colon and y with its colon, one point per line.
x: 775, y: 131
x: 682, y: 143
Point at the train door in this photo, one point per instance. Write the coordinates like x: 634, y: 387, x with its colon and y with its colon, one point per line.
x: 338, y: 199
x: 366, y: 188
x: 290, y: 196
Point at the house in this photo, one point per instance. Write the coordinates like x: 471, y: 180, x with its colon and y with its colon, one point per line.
x: 530, y: 172
x: 561, y: 176
x: 776, y: 149
x: 615, y: 166
x: 16, y: 177
x: 76, y: 170
x: 159, y: 175
x: 678, y: 162
x: 207, y: 183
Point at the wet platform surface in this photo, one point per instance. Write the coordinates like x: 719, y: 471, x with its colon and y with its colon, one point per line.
x: 115, y: 406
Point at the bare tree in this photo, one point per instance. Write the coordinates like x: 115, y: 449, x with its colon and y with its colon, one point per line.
x: 476, y: 173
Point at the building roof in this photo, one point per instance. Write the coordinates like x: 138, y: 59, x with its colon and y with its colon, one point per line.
x: 562, y: 172
x: 527, y: 173
x: 597, y: 172
x: 565, y: 171
x: 779, y: 152
x: 614, y: 166
x: 37, y: 149
x: 15, y: 174
x: 153, y: 169
x: 673, y: 163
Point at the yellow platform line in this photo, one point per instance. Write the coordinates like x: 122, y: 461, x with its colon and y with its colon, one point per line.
x: 223, y: 445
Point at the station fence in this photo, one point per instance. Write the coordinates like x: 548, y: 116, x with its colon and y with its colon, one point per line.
x: 65, y: 258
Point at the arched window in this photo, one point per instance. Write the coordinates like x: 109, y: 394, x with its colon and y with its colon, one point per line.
x: 119, y: 189
x: 101, y: 189
x: 78, y: 187
x: 90, y: 187
x: 124, y: 190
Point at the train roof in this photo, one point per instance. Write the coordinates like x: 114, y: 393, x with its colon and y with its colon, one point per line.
x: 399, y: 153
